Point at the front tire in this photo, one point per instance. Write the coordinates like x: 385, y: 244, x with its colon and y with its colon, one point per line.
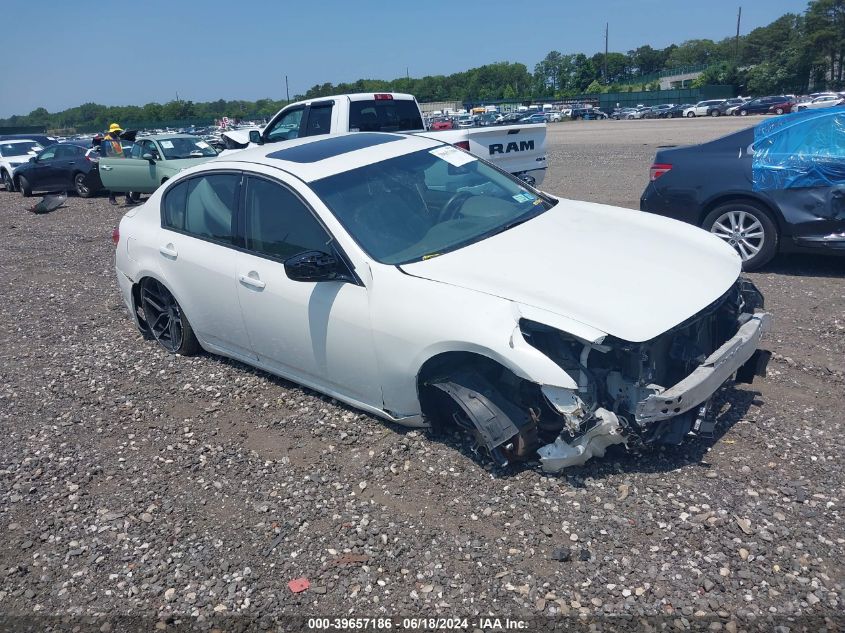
x: 715, y: 113
x: 24, y: 186
x: 743, y: 113
x: 690, y: 115
x: 167, y: 322
x: 747, y: 228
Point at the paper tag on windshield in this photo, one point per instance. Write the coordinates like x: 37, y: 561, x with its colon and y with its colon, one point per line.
x: 167, y: 144
x: 524, y: 197
x: 202, y: 144
x: 453, y: 156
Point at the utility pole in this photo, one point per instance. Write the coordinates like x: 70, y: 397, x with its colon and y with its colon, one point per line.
x: 606, y: 29
x: 287, y: 89
x: 736, y: 45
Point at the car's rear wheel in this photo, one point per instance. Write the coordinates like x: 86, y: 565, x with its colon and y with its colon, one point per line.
x: 82, y: 189
x: 779, y: 110
x: 8, y: 183
x: 24, y: 186
x: 167, y: 322
x: 747, y: 228
x: 715, y: 113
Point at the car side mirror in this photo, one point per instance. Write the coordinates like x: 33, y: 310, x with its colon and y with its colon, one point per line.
x: 255, y: 137
x: 33, y: 159
x: 313, y: 266
x: 149, y: 158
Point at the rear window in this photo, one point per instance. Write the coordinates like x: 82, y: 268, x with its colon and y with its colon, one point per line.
x: 387, y: 115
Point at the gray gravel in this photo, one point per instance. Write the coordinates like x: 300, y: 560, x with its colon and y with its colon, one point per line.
x: 134, y: 482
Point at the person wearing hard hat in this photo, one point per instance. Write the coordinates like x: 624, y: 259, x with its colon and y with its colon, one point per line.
x: 110, y: 147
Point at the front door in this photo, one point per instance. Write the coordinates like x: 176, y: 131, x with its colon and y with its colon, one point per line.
x: 132, y: 173
x: 44, y: 175
x: 315, y: 332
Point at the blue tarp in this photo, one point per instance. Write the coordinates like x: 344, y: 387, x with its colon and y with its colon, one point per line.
x: 804, y: 149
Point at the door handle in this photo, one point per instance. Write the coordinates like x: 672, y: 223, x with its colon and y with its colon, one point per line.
x: 253, y: 282
x: 106, y: 168
x: 168, y: 251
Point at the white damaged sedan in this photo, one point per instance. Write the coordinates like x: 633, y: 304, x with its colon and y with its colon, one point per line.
x: 414, y: 281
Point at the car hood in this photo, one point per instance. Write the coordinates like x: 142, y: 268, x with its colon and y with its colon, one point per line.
x: 629, y: 274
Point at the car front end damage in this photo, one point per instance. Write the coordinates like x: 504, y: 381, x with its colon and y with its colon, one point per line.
x: 656, y: 391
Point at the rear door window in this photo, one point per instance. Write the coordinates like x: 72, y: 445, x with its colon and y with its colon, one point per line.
x: 384, y: 115
x: 319, y: 119
x: 203, y: 207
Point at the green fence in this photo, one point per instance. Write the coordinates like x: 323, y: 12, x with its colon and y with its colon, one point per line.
x: 610, y: 100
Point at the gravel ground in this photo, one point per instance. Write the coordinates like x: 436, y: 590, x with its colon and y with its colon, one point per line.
x: 188, y: 489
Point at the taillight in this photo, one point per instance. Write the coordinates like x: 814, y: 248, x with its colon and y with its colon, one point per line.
x: 658, y: 169
x: 463, y: 145
x: 115, y: 235
x: 383, y: 97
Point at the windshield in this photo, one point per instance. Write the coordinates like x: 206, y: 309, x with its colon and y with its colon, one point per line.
x: 427, y: 203
x: 21, y: 148
x: 180, y: 147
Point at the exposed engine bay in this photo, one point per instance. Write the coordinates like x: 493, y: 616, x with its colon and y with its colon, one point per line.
x: 657, y: 391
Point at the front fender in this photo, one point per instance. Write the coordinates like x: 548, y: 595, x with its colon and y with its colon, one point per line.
x: 415, y: 320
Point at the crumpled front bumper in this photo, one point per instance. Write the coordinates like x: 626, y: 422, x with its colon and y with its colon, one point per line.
x: 707, y: 377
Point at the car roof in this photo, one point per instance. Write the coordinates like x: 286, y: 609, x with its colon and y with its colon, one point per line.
x: 316, y: 157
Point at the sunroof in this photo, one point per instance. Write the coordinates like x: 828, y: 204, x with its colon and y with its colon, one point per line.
x: 334, y: 146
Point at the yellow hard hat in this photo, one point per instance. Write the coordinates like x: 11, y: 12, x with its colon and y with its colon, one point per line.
x: 114, y: 127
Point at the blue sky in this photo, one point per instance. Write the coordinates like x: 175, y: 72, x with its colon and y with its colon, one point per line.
x: 60, y: 54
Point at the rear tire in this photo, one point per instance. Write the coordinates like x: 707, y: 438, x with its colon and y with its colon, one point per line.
x: 745, y: 226
x: 779, y: 110
x: 24, y: 186
x: 8, y: 183
x: 79, y: 184
x: 715, y: 113
x: 168, y: 324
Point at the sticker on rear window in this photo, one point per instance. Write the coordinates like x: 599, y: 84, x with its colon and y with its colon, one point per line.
x: 453, y: 156
x: 202, y: 144
x: 167, y: 144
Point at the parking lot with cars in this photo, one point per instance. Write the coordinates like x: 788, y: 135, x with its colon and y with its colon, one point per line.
x: 137, y: 481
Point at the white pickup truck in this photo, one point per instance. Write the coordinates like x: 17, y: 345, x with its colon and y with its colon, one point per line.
x: 518, y: 149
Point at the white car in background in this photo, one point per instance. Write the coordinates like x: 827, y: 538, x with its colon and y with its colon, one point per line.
x: 412, y: 280
x: 824, y: 101
x: 702, y: 108
x: 13, y: 153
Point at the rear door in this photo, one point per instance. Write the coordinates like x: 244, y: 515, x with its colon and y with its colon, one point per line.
x: 197, y: 256
x: 68, y: 163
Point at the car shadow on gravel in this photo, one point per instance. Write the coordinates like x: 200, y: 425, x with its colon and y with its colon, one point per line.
x: 803, y: 265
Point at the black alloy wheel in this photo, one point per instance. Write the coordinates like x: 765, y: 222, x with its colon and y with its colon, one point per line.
x: 165, y: 319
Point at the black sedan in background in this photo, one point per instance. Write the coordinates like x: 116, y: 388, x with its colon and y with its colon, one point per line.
x: 676, y: 111
x: 775, y: 187
x: 60, y: 167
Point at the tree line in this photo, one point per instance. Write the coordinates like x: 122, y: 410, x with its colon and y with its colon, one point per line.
x: 793, y: 54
